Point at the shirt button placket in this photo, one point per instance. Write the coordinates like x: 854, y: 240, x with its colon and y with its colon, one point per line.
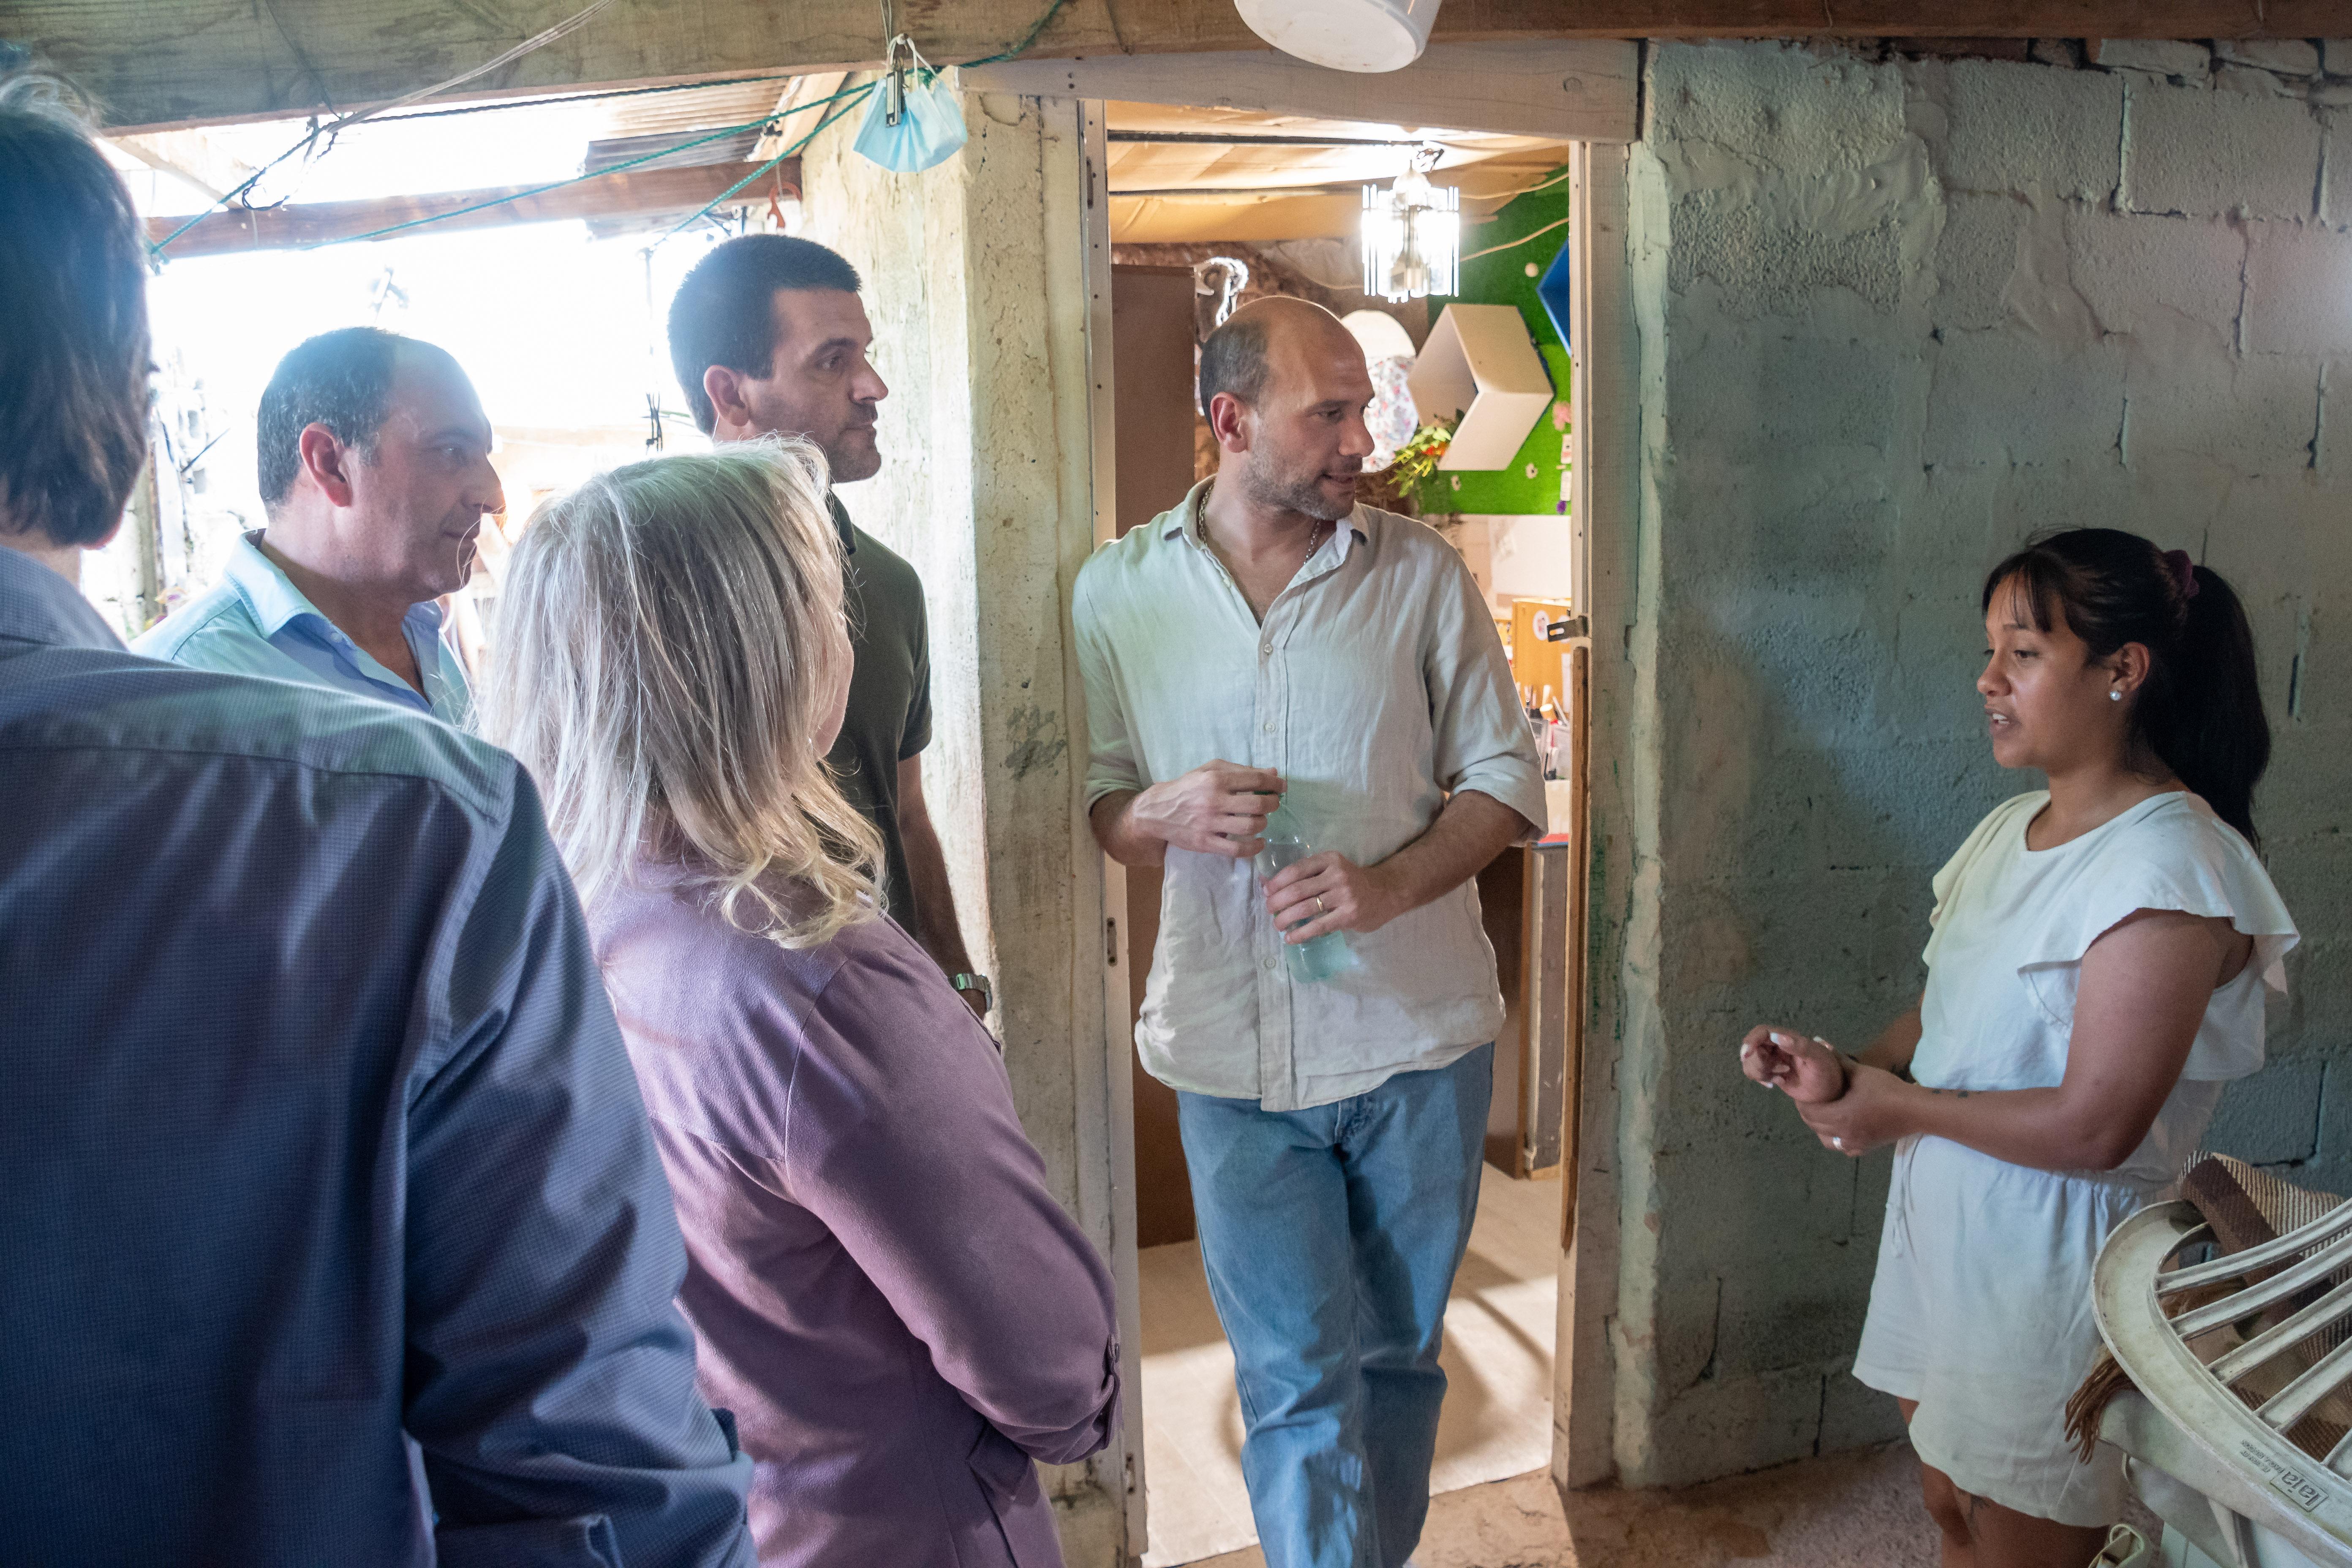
x: 1266, y: 694
x: 1275, y: 1075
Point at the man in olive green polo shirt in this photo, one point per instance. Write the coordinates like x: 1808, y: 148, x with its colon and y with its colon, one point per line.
x: 769, y: 338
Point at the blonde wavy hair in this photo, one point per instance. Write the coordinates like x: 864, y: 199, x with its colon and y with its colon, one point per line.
x: 662, y: 669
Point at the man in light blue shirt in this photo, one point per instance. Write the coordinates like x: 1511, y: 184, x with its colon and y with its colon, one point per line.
x: 376, y: 470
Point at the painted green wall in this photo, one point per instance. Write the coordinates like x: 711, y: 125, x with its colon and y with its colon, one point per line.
x: 1501, y: 278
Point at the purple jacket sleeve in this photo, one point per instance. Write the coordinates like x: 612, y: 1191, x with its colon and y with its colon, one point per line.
x: 902, y: 1137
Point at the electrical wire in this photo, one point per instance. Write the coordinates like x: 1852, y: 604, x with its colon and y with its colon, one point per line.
x: 155, y: 250
x: 1018, y: 50
x: 564, y: 28
x: 539, y: 40
x: 719, y: 134
x: 1543, y: 184
x: 1532, y: 233
x: 852, y: 94
x: 502, y: 103
x: 1027, y: 39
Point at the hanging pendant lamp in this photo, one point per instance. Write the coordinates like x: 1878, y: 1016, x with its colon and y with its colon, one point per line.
x: 1412, y: 233
x: 1345, y: 35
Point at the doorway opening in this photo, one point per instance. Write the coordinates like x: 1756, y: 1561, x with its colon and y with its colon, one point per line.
x: 1211, y: 208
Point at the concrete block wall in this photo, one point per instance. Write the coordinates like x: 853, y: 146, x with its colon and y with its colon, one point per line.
x: 1895, y: 317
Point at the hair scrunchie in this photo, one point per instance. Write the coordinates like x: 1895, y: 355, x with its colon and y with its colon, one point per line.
x: 2184, y: 571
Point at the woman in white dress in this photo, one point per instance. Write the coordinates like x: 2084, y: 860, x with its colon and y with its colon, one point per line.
x: 2097, y: 973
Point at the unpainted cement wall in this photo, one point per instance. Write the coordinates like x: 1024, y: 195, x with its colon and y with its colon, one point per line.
x: 971, y: 281
x: 1894, y: 318
x: 976, y: 283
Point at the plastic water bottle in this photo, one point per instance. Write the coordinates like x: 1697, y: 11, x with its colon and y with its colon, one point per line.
x: 1326, y: 955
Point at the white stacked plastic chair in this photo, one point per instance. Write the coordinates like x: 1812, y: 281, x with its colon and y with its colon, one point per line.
x: 2207, y: 1435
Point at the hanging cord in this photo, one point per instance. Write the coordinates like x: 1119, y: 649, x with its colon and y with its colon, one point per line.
x: 1543, y: 184
x: 564, y: 28
x: 537, y: 41
x: 722, y: 134
x: 1027, y: 39
x: 300, y: 59
x: 849, y: 96
x: 1533, y: 234
x: 854, y: 95
x: 845, y: 98
x: 504, y: 103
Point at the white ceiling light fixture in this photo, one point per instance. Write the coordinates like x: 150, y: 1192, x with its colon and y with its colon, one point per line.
x: 1412, y: 233
x: 1345, y: 35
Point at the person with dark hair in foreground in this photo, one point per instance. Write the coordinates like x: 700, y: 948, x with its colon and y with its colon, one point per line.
x: 2095, y: 976
x: 374, y: 459
x: 769, y: 338
x: 331, y: 1229
x: 1269, y: 641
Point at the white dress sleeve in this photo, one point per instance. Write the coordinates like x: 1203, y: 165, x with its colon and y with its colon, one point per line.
x: 2179, y: 857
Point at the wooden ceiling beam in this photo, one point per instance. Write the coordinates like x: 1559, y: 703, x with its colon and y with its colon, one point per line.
x: 1582, y: 89
x: 191, y: 156
x: 164, y: 64
x: 628, y: 192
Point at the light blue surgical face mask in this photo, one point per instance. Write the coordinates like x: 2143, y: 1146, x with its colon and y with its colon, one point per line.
x: 912, y: 122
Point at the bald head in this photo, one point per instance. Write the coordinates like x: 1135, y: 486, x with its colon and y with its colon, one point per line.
x: 1238, y: 355
x: 1284, y: 387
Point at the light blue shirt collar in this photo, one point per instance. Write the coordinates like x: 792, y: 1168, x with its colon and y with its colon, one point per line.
x: 276, y: 605
x: 267, y: 591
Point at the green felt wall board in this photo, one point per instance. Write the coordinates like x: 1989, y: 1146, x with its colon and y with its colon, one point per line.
x: 1502, y: 278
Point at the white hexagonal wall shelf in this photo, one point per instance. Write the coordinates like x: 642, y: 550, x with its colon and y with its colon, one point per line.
x: 1479, y: 359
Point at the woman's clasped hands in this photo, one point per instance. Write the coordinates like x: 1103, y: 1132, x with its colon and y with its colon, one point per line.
x: 1851, y: 1107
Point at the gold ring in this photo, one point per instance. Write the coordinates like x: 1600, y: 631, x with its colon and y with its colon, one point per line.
x: 1321, y: 906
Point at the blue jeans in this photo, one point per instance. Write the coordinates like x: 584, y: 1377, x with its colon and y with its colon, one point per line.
x: 1331, y: 1236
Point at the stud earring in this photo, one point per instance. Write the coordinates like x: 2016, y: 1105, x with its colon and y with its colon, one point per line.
x: 2114, y: 697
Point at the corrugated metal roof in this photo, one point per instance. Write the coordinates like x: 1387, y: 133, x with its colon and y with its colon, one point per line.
x: 693, y: 149
x: 687, y: 110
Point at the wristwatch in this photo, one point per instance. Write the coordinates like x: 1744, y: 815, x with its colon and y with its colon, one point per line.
x: 971, y: 982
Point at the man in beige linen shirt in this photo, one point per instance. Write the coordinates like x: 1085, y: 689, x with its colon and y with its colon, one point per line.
x: 1270, y: 640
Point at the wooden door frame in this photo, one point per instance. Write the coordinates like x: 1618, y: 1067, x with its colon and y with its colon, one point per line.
x: 1603, y: 387
x: 1607, y: 499
x: 1119, y: 1055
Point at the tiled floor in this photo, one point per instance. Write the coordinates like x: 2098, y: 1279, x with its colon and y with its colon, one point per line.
x: 1497, y: 1417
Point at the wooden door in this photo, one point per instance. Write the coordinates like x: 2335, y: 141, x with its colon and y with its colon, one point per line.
x: 1151, y: 332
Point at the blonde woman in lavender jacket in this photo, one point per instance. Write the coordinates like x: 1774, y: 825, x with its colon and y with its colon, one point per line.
x: 886, y: 1295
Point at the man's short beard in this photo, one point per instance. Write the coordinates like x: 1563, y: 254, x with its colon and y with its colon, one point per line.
x: 1303, y: 496
x: 850, y: 460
